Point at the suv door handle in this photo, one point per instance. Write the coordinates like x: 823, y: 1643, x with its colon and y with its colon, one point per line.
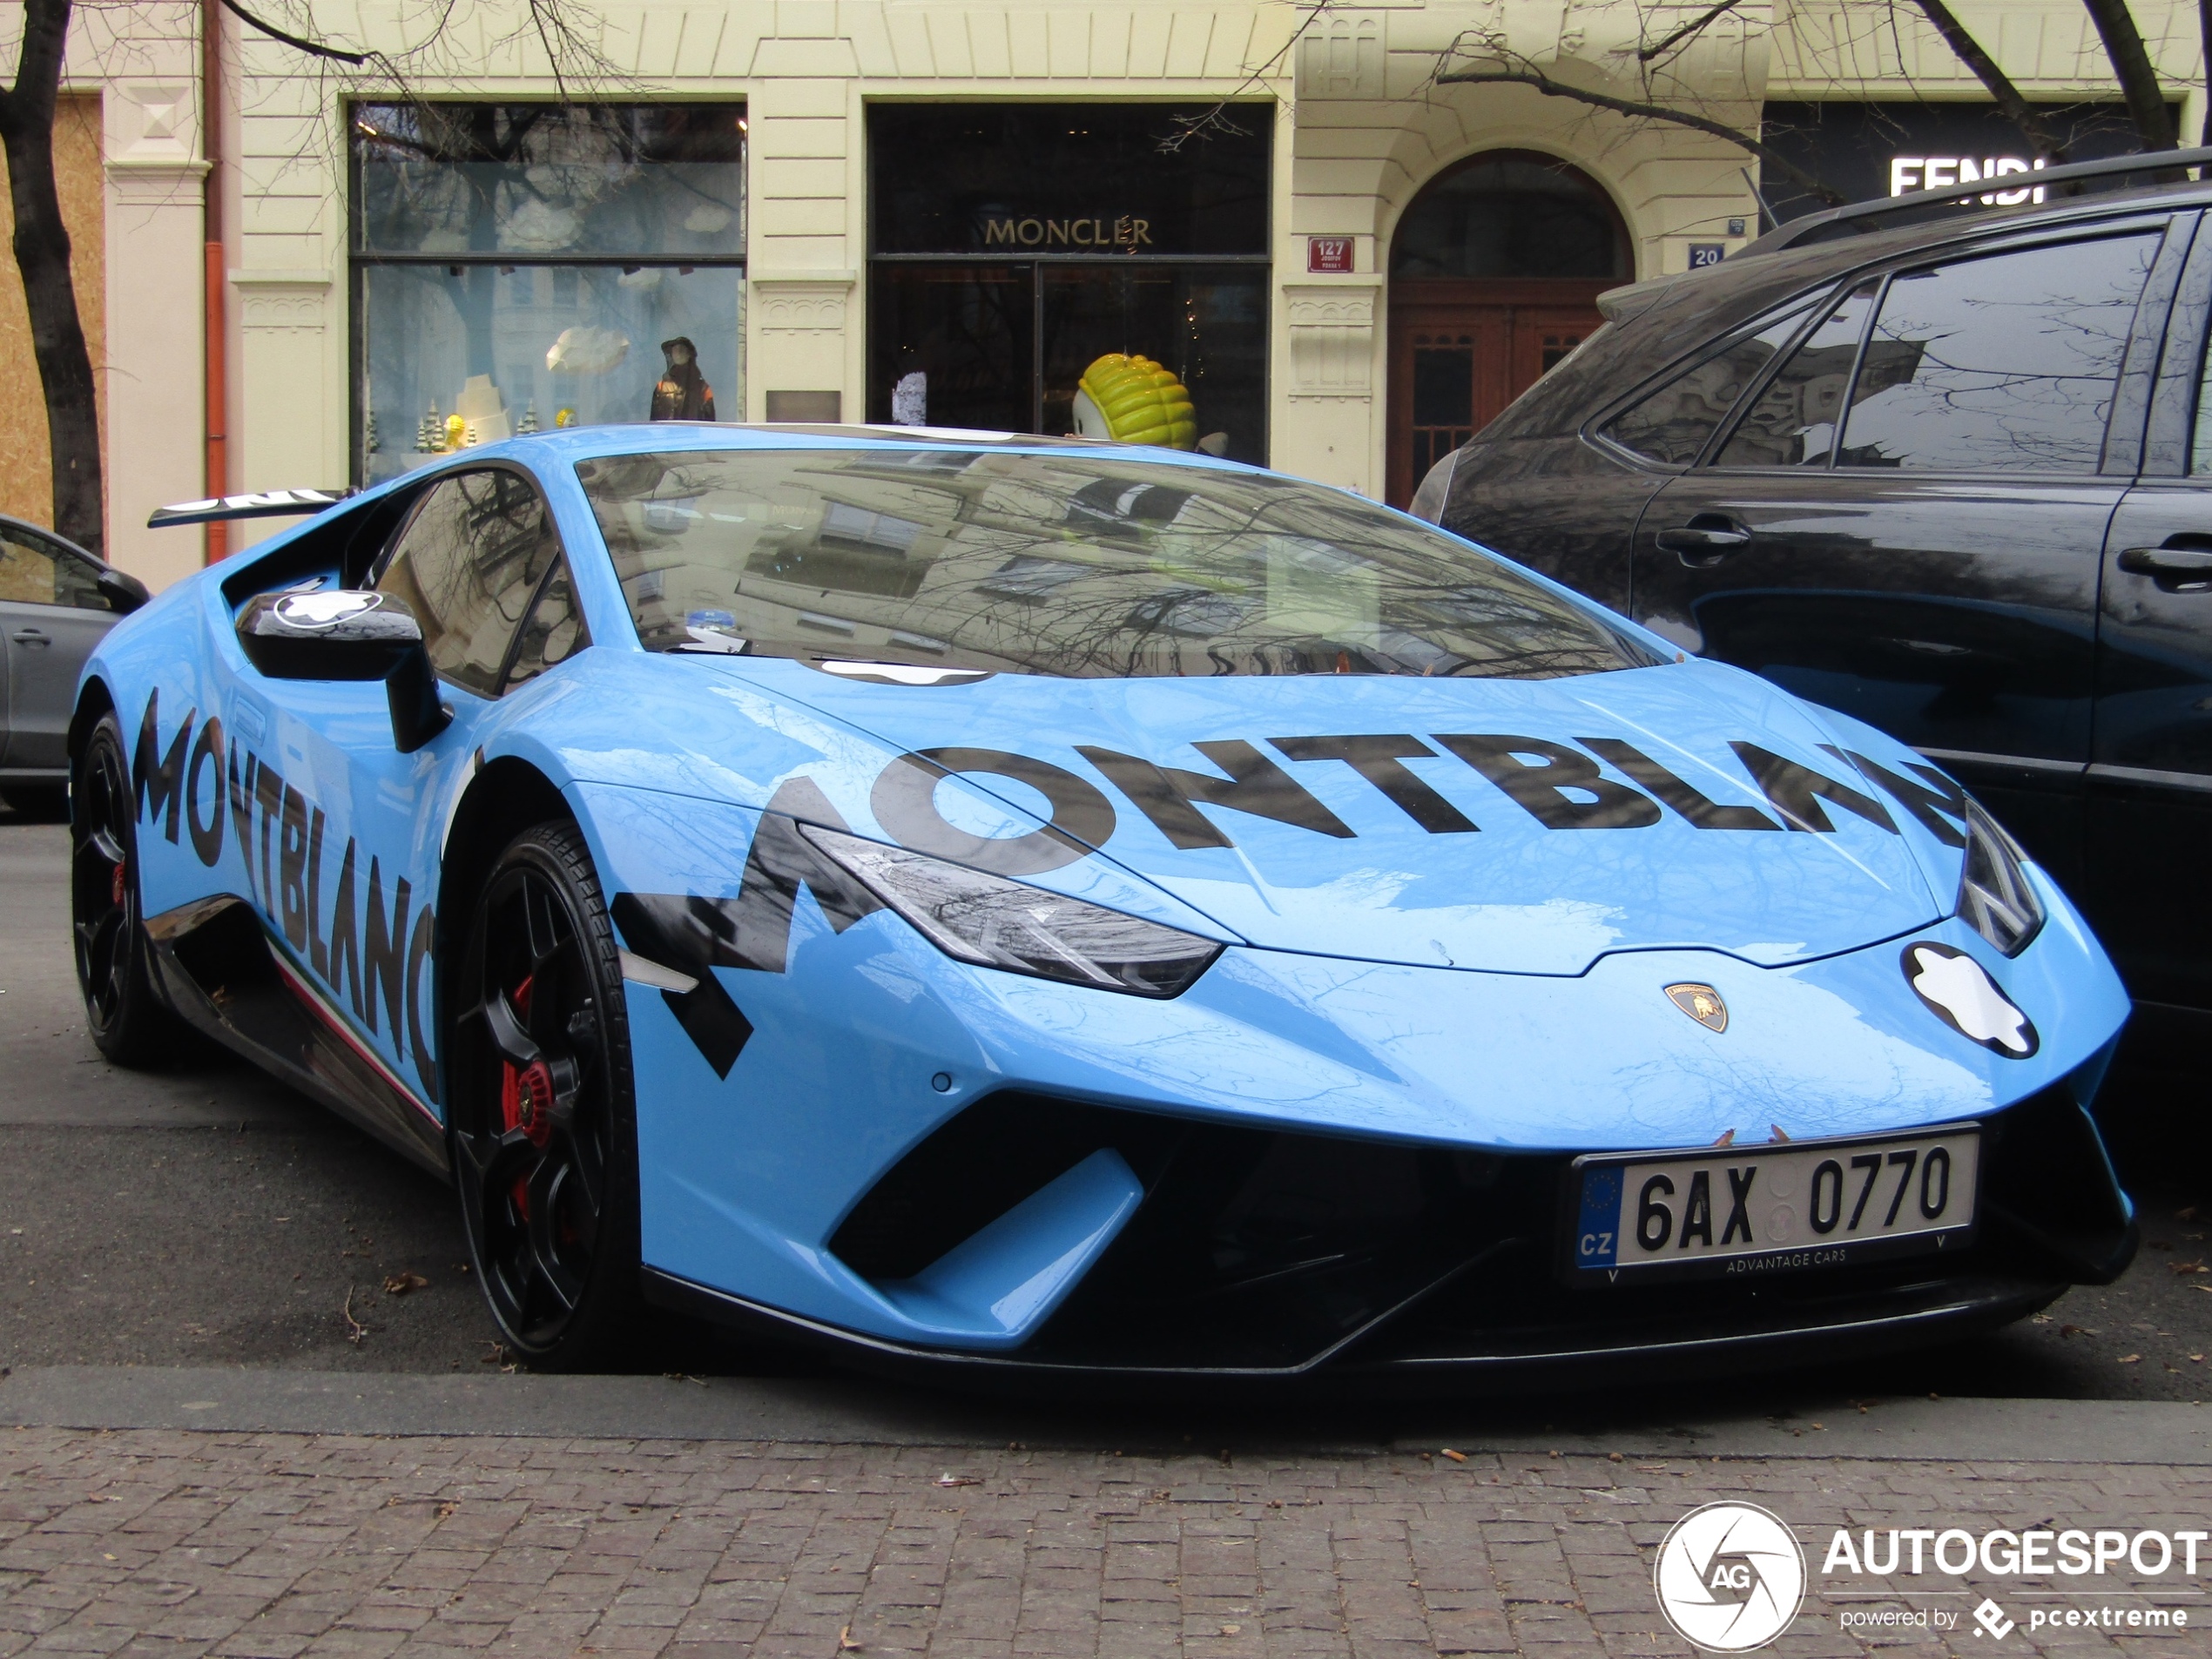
x: 1706, y: 540
x: 28, y: 637
x: 2176, y: 569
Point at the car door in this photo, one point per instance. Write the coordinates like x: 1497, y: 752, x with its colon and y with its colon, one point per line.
x: 1906, y: 520
x: 2148, y: 890
x: 349, y: 830
x: 1568, y: 507
x: 52, y: 613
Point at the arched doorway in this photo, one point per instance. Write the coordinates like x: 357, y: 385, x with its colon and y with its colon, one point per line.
x: 1495, y: 274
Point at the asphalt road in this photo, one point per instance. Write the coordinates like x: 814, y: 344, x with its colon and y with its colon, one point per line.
x: 205, y: 1216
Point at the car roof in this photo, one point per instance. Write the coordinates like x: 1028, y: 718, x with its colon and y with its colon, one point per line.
x: 572, y: 444
x: 632, y: 437
x: 1654, y: 323
x: 2077, y: 176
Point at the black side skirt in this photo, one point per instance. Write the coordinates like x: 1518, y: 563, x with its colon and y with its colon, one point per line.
x: 219, y: 972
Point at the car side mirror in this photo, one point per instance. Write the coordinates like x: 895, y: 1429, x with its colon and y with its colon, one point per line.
x: 344, y: 634
x: 124, y: 592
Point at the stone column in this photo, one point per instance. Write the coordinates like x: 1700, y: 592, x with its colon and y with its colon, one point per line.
x: 1327, y: 429
x: 156, y: 404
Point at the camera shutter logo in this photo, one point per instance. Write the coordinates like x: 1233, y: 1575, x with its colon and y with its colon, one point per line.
x: 1731, y: 1577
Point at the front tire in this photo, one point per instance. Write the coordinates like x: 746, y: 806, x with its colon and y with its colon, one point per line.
x: 543, y: 1119
x: 127, y: 1019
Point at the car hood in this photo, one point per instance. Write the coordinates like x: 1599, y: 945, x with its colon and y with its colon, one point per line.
x: 1432, y: 840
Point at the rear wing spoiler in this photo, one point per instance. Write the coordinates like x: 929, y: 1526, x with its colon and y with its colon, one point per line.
x: 270, y: 503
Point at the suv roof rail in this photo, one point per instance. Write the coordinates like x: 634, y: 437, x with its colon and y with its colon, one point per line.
x: 1854, y: 213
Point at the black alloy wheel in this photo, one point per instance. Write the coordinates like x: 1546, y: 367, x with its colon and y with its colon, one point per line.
x: 543, y: 1118
x: 127, y: 1019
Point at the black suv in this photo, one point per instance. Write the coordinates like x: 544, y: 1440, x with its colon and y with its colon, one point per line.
x: 1951, y: 478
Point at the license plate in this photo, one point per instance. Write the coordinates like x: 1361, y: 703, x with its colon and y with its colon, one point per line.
x: 1742, y: 1210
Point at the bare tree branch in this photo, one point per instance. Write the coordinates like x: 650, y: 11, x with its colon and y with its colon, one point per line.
x: 2138, y: 79
x: 1215, y: 117
x: 294, y: 40
x: 1696, y: 25
x: 1968, y: 51
x: 1504, y: 68
x: 563, y: 42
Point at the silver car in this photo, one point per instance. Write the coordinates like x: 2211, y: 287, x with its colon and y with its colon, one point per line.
x: 55, y: 601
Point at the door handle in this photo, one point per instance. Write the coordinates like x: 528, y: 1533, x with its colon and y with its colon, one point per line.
x: 29, y: 636
x: 1706, y: 540
x: 2176, y: 569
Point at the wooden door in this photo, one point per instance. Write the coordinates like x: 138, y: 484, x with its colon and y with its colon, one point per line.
x: 1461, y: 350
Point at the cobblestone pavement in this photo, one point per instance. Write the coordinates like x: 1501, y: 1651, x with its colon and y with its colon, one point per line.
x: 183, y: 1543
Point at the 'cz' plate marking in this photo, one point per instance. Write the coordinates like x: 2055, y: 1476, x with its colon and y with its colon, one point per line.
x: 1726, y: 1211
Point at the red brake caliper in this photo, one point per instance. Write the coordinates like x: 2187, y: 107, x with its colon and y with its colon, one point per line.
x: 115, y: 888
x: 526, y: 1099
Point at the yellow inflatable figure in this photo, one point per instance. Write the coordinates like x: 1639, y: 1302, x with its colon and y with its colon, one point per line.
x: 1133, y: 400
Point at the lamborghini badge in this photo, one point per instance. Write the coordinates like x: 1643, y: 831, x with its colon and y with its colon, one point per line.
x: 1702, y: 1003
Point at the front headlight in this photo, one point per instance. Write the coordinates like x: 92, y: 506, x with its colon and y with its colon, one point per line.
x: 996, y: 923
x: 1994, y: 896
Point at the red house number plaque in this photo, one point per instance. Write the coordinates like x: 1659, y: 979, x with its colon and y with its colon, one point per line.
x: 1332, y: 254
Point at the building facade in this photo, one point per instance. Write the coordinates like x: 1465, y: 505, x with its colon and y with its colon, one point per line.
x: 931, y: 213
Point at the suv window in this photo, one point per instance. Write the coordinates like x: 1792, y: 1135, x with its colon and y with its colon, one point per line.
x: 1793, y: 422
x: 2200, y: 431
x: 36, y: 572
x: 2005, y: 363
x: 1672, y: 424
x: 469, y: 563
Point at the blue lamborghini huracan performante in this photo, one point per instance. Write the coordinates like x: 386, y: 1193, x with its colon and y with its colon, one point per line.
x: 1052, y: 909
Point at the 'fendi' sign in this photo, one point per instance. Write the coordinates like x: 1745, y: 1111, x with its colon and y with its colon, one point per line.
x: 1067, y: 232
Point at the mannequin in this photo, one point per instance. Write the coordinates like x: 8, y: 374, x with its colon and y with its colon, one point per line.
x: 683, y: 393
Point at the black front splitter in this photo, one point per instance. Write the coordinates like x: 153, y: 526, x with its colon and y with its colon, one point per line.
x: 1521, y: 1362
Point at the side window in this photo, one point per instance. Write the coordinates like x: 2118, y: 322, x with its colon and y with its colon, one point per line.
x: 2201, y: 433
x: 2001, y: 364
x: 467, y: 563
x: 1672, y: 424
x: 1793, y: 423
x: 35, y: 572
x: 554, y: 633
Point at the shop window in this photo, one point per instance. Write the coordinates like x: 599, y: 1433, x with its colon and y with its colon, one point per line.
x: 521, y: 266
x: 1054, y: 268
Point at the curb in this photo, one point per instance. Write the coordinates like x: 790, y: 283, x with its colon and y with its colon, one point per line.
x: 840, y: 1411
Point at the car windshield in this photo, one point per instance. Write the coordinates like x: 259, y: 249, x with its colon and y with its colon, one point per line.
x: 1068, y: 562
